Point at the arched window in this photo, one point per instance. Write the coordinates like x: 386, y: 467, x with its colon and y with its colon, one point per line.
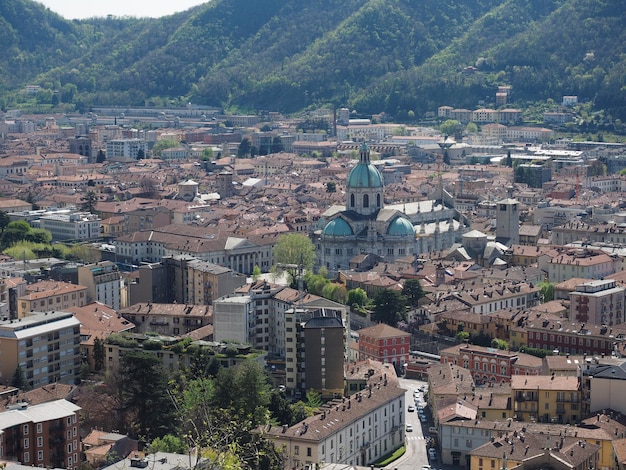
x: 351, y: 200
x: 378, y: 200
x: 366, y: 200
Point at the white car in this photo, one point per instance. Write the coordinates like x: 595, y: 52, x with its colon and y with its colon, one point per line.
x: 409, y: 428
x: 411, y: 409
x: 423, y: 418
x: 425, y: 467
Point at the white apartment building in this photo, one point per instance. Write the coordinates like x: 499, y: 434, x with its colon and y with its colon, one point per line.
x: 125, y: 148
x: 104, y: 283
x: 79, y: 226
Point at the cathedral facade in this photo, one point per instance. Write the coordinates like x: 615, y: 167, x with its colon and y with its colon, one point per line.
x: 366, y: 226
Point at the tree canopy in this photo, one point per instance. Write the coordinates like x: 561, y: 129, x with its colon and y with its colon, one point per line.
x: 292, y: 252
x: 390, y: 307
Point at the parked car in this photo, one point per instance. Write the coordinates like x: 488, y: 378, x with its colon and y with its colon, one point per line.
x: 410, y: 409
x: 432, y: 454
x: 423, y: 418
x: 409, y: 428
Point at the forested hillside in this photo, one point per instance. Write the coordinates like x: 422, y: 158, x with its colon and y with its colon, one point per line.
x: 398, y: 56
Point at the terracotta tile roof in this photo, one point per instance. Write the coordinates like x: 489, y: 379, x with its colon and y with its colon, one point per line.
x: 381, y: 331
x: 544, y: 382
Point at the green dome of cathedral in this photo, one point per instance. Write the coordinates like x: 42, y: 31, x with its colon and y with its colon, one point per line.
x: 365, y: 175
x: 401, y: 226
x: 338, y: 228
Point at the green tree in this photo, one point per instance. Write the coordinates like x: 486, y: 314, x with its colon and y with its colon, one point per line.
x: 141, y: 154
x: 335, y: 292
x: 277, y: 145
x: 412, y: 290
x: 313, y: 399
x: 256, y: 273
x: 546, y: 291
x: 245, y: 148
x: 253, y: 396
x: 471, y: 128
x: 168, y: 443
x: 101, y: 157
x: 331, y: 187
x: 90, y: 199
x: 144, y: 390
x: 449, y: 126
x: 357, y: 297
x: 38, y: 235
x: 509, y: 160
x: 292, y: 252
x: 499, y: 344
x: 390, y: 307
x: 5, y: 220
x: 99, y: 354
x: 207, y: 154
x: 19, y: 379
x: 463, y: 336
x: 163, y: 145
x: 279, y: 408
x: 15, y: 232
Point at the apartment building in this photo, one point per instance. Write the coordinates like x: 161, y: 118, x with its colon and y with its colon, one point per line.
x: 546, y: 398
x: 565, y: 263
x: 46, y: 296
x: 356, y: 430
x: 386, y: 344
x: 43, y: 435
x: 198, y: 282
x: 571, y: 232
x: 599, y: 302
x: 128, y: 148
x: 315, y: 353
x: 74, y: 226
x: 238, y: 254
x: 498, y: 296
x: 167, y: 319
x: 524, y: 450
x: 45, y: 346
x: 491, y: 365
x: 103, y: 282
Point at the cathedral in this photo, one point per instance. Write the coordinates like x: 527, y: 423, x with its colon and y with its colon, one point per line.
x: 366, y: 226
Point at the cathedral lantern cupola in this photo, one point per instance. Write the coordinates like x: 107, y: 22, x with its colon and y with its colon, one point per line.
x: 365, y: 187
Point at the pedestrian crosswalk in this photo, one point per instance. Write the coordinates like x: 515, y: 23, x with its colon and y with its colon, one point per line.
x: 415, y: 438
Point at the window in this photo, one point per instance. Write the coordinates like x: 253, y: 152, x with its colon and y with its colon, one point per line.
x: 296, y: 450
x: 39, y: 441
x: 40, y: 455
x: 26, y: 456
x: 308, y: 452
x: 26, y: 443
x: 39, y: 428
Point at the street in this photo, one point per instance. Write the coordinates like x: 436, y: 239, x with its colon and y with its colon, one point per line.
x: 416, y: 454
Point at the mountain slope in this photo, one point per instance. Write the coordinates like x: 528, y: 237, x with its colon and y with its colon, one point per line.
x: 394, y: 56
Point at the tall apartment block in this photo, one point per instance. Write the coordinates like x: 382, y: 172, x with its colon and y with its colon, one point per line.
x: 104, y: 283
x: 45, y: 346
